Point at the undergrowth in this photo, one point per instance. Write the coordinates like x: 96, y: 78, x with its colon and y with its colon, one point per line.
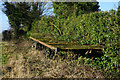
x: 24, y: 61
x: 98, y: 28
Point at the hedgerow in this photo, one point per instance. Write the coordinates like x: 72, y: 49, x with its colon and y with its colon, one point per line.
x: 93, y: 28
x: 98, y: 28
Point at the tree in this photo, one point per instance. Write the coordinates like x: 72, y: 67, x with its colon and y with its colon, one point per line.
x: 118, y: 14
x: 65, y: 9
x: 22, y: 13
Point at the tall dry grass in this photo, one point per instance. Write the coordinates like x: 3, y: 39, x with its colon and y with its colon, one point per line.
x: 26, y: 62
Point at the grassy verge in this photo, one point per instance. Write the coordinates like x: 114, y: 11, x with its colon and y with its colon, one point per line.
x: 23, y: 61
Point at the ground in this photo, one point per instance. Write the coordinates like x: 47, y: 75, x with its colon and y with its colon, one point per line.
x: 20, y: 60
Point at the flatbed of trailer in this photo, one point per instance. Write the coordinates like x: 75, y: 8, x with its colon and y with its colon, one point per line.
x: 50, y: 42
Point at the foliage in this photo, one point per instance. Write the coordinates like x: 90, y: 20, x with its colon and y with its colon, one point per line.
x: 94, y: 28
x: 65, y: 9
x: 22, y: 13
x: 98, y: 28
x: 6, y: 35
x: 118, y: 14
x: 28, y: 34
x: 47, y: 25
x: 4, y: 58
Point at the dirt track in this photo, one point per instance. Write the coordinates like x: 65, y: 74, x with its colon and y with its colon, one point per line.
x: 23, y: 61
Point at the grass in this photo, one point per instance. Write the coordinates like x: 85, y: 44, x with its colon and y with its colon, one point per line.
x: 0, y: 37
x: 0, y: 53
x: 23, y: 61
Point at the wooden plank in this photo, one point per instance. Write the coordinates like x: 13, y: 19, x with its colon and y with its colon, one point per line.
x: 77, y: 46
x: 51, y: 47
x: 60, y: 43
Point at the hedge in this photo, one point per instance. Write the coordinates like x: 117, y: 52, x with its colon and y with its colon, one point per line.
x: 99, y: 28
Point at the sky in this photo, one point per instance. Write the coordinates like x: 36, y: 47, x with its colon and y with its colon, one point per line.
x: 105, y: 5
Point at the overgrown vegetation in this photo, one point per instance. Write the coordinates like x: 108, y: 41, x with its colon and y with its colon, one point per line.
x: 99, y: 28
x: 76, y: 22
x: 21, y: 15
x: 20, y: 60
x: 68, y: 9
x: 93, y: 28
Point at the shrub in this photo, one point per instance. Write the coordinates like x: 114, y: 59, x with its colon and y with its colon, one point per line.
x: 98, y: 28
x: 7, y: 35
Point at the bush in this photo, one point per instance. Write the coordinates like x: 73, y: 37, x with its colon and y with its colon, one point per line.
x: 93, y: 28
x: 7, y: 35
x: 98, y: 28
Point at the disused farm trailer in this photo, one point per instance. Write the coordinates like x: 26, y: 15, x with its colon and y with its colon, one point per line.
x: 68, y: 46
x: 57, y: 45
